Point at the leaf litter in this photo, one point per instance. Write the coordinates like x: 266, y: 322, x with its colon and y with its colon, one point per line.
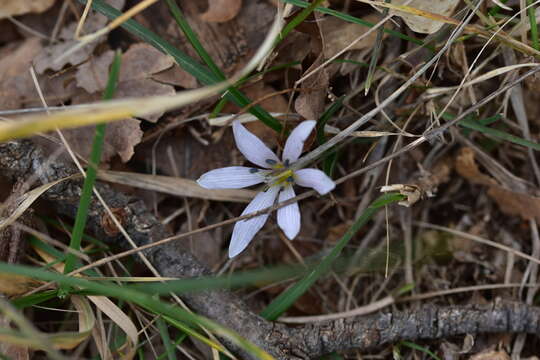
x: 487, y: 190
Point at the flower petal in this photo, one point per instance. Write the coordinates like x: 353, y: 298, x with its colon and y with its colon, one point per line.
x: 233, y: 177
x: 252, y: 147
x: 245, y: 230
x: 315, y: 179
x: 288, y: 217
x: 295, y: 142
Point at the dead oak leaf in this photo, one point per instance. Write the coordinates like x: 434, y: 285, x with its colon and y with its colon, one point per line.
x: 17, y: 88
x: 15, y: 79
x: 221, y: 10
x: 338, y: 34
x: 139, y: 64
x: 20, y: 7
x: 509, y: 202
x: 141, y: 61
x: 423, y: 24
x: 92, y: 76
x: 47, y: 59
x: 120, y: 139
x: 310, y: 103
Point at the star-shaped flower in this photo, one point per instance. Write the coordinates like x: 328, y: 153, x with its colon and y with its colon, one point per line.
x: 279, y: 177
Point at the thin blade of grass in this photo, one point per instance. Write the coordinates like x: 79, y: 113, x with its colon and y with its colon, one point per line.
x: 189, y: 331
x: 375, y: 54
x: 280, y: 304
x: 297, y: 20
x: 91, y: 172
x: 193, y: 39
x: 531, y: 12
x: 479, y: 125
x: 147, y: 301
x: 499, y: 134
x: 420, y: 348
x: 166, y: 339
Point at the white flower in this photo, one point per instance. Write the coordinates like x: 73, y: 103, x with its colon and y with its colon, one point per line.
x: 279, y: 177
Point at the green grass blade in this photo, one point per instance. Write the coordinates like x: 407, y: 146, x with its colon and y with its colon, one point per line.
x: 245, y: 278
x: 375, y: 53
x: 420, y: 348
x: 193, y: 38
x: 34, y: 299
x: 166, y: 339
x: 203, y: 74
x: 480, y: 125
x: 470, y: 124
x: 531, y: 12
x: 350, y: 18
x: 178, y: 341
x: 91, y: 172
x: 287, y: 298
x: 298, y: 19
x: 147, y: 301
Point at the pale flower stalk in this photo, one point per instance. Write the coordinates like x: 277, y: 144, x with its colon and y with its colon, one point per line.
x: 279, y: 177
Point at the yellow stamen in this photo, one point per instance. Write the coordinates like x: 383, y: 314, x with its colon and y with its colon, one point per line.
x: 282, y: 177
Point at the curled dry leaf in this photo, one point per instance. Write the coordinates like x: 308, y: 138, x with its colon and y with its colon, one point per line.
x: 16, y: 84
x: 139, y: 64
x: 422, y: 24
x: 120, y: 139
x: 310, y: 104
x: 13, y: 285
x: 19, y: 7
x: 221, y: 10
x: 510, y: 202
x: 47, y: 58
x: 338, y: 34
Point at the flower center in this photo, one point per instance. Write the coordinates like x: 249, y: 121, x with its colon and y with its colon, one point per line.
x: 280, y: 173
x: 286, y: 176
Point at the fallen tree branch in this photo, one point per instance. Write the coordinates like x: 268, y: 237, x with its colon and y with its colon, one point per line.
x: 21, y: 159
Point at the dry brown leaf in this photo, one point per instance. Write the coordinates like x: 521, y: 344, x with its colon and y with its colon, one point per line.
x: 221, y: 10
x: 421, y: 24
x: 510, y: 202
x: 310, y: 103
x: 15, y: 80
x: 491, y: 355
x: 338, y: 34
x: 14, y: 285
x: 19, y: 7
x: 466, y: 167
x: 92, y: 76
x: 139, y: 64
x: 47, y: 58
x: 120, y: 139
x: 143, y: 60
x: 177, y: 77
